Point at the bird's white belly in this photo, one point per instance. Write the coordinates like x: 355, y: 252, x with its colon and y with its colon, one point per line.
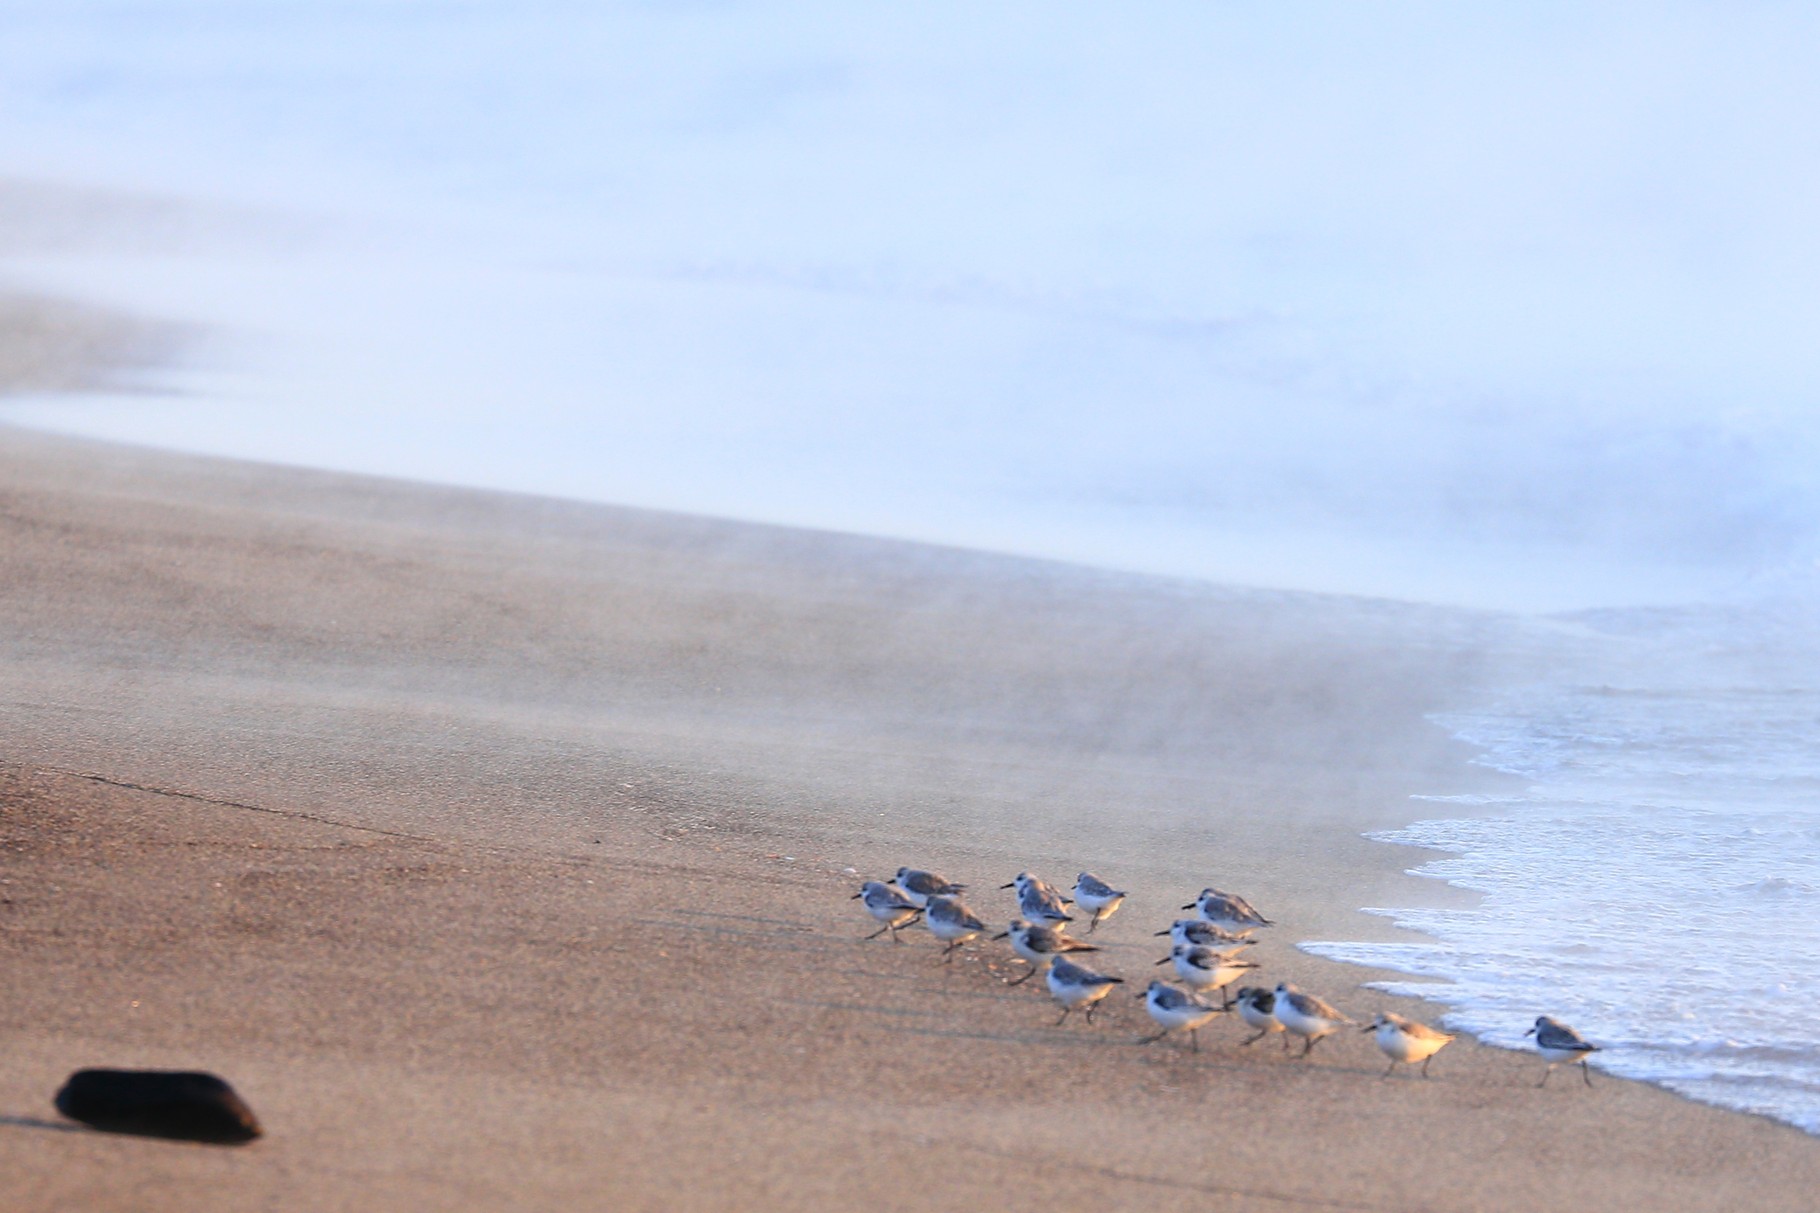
x: 1304, y: 1025
x: 1263, y: 1021
x: 1181, y: 1017
x: 1400, y: 1047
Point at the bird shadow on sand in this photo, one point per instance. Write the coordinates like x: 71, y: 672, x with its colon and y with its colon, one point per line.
x: 1213, y: 1056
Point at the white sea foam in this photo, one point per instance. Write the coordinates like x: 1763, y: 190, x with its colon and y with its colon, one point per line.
x: 1659, y: 884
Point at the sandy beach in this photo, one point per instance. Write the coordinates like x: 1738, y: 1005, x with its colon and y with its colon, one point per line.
x: 499, y: 850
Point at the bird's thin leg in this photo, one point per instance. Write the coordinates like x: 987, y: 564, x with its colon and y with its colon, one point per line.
x: 1255, y: 1039
x: 1026, y: 977
x: 1308, y: 1045
x: 881, y: 931
x: 1585, y: 1072
x: 1094, y: 922
x: 1425, y: 1062
x: 1389, y: 1072
x: 1194, y: 1041
x: 1150, y: 1040
x: 1091, y: 1008
x: 1066, y: 1012
x: 1545, y: 1074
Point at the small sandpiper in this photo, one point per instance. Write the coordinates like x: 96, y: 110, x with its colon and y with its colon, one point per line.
x: 1076, y: 985
x: 1174, y: 1008
x: 1307, y: 1016
x: 1040, y: 902
x: 1559, y: 1043
x: 1206, y: 969
x: 1045, y: 909
x: 1097, y: 897
x: 1405, y: 1041
x: 1227, y: 911
x: 1039, y: 946
x: 1194, y: 933
x: 952, y: 923
x: 888, y: 906
x: 920, y: 886
x: 1258, y: 1008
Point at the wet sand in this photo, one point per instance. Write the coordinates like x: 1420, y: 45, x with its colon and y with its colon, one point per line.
x: 500, y: 849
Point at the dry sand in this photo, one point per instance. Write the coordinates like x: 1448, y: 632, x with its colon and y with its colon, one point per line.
x: 499, y: 850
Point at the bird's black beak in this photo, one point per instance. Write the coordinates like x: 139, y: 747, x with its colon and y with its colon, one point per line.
x: 1370, y: 1027
x: 857, y: 896
x: 1165, y: 960
x: 1001, y: 934
x: 1189, y: 906
x: 1531, y: 1032
x: 1164, y: 932
x: 1012, y: 885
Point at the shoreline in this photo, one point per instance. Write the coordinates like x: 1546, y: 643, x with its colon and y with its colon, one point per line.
x: 498, y: 850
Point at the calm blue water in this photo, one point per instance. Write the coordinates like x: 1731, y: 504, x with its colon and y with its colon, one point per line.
x: 1507, y: 305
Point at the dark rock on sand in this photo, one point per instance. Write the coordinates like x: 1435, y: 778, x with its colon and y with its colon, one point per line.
x: 158, y: 1103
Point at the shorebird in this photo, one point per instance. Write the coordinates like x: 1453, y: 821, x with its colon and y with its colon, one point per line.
x: 1097, y: 897
x: 1258, y: 1008
x: 1227, y: 911
x: 1045, y: 909
x: 952, y: 923
x: 1039, y: 901
x: 1206, y: 969
x: 1307, y: 1016
x: 1558, y: 1043
x: 1174, y: 1008
x: 1076, y: 985
x: 1196, y: 933
x: 888, y: 906
x: 920, y: 886
x: 1406, y: 1041
x: 1039, y: 946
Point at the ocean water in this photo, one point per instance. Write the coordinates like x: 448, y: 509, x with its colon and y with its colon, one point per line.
x: 1657, y: 882
x: 1506, y: 305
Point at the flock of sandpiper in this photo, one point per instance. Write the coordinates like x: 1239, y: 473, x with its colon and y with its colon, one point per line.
x: 1206, y: 951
